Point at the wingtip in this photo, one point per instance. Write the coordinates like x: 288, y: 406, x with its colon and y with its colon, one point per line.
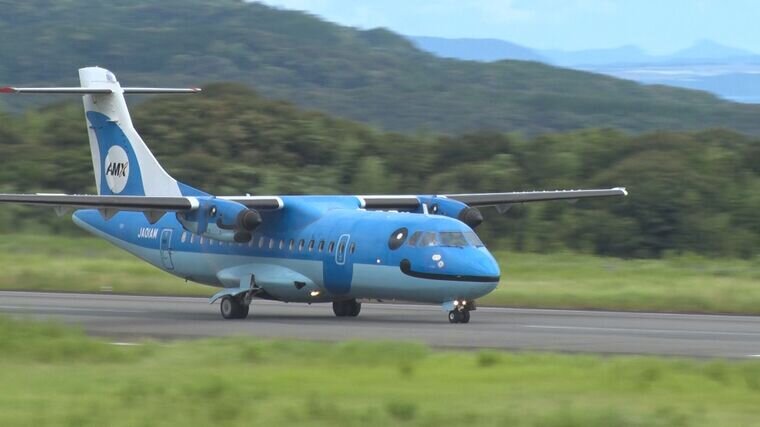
x: 622, y: 190
x: 7, y: 89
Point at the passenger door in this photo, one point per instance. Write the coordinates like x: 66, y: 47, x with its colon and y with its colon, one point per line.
x: 338, y: 269
x: 166, y: 248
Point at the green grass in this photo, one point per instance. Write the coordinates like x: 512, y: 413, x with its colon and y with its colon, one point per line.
x: 680, y: 283
x: 55, y: 376
x: 564, y: 280
x: 71, y: 264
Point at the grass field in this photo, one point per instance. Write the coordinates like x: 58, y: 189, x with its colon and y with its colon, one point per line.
x: 686, y: 283
x: 58, y: 377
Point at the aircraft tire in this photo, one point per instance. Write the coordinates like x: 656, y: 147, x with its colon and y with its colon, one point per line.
x: 339, y: 308
x: 349, y: 308
x: 458, y: 316
x: 356, y: 308
x: 453, y: 316
x: 232, y: 308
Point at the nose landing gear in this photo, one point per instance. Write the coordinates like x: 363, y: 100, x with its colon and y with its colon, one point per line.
x: 459, y: 316
x: 459, y: 311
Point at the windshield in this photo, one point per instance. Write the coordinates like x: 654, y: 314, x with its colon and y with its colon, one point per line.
x: 423, y: 239
x: 454, y: 238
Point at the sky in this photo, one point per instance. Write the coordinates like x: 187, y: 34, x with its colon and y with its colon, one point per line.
x: 657, y: 26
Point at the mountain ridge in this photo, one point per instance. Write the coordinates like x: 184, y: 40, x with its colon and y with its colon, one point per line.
x: 373, y: 76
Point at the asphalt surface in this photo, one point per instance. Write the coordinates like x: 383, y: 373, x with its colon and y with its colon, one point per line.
x: 130, y: 318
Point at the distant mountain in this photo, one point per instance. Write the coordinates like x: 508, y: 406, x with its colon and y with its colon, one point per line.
x: 374, y: 76
x: 708, y: 50
x: 485, y: 50
x: 624, y: 54
x: 725, y: 71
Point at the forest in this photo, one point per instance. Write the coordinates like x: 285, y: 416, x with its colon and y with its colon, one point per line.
x: 690, y: 192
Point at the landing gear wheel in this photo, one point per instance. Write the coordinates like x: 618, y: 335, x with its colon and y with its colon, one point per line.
x: 339, y: 308
x: 459, y: 316
x: 233, y: 308
x: 349, y: 308
x: 455, y: 316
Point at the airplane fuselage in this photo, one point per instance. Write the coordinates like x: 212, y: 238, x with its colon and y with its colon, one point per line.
x: 324, y: 248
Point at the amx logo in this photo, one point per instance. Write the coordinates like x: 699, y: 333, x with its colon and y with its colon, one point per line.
x: 117, y: 169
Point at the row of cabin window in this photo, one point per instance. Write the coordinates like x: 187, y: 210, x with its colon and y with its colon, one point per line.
x: 302, y: 243
x: 291, y: 245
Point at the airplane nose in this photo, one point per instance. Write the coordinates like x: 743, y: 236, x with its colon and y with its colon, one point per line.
x: 484, y: 267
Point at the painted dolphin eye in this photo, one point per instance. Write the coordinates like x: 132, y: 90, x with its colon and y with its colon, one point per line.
x: 397, y: 238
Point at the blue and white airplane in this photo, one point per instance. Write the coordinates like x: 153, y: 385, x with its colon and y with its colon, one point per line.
x: 310, y: 249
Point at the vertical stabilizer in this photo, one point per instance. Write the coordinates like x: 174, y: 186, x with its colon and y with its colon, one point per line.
x: 122, y: 162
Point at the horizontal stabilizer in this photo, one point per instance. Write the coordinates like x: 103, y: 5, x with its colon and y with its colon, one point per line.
x: 95, y: 90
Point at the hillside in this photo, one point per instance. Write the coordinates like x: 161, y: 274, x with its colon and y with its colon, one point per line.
x: 374, y: 76
x: 692, y: 192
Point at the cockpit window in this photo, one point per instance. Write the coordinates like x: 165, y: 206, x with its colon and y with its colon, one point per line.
x: 427, y: 239
x: 414, y: 238
x: 473, y: 239
x: 452, y: 238
x: 445, y: 238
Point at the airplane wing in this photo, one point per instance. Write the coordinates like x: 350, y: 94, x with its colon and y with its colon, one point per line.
x: 153, y: 207
x: 402, y: 202
x: 133, y: 203
x: 496, y: 199
x: 127, y: 203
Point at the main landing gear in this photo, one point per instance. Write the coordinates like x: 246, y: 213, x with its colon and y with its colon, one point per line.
x: 234, y: 307
x: 350, y: 308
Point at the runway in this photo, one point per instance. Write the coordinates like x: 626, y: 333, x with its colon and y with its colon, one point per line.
x: 131, y: 318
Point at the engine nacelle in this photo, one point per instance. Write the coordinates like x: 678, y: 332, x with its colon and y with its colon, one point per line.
x: 454, y: 209
x: 221, y: 220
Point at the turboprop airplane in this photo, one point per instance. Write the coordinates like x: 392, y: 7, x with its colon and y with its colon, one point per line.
x: 309, y: 249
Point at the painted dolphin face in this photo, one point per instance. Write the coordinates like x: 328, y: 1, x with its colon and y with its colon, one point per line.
x: 447, y: 254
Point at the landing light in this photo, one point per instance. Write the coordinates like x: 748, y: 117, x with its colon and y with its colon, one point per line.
x: 315, y: 293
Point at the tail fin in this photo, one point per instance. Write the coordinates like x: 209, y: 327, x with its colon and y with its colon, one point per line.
x: 122, y: 162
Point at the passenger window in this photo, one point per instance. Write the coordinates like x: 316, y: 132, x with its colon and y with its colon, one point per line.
x: 184, y: 236
x: 261, y: 242
x: 201, y: 240
x: 352, y: 248
x: 282, y: 244
x: 311, y: 245
x: 271, y: 243
x: 321, y: 245
x: 300, y: 246
x: 192, y: 239
x: 331, y: 248
x: 291, y: 245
